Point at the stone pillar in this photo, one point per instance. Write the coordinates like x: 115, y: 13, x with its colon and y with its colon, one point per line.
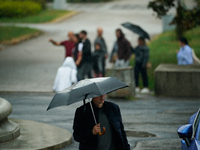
x: 59, y: 4
x: 8, y: 130
x: 127, y: 76
x: 166, y: 23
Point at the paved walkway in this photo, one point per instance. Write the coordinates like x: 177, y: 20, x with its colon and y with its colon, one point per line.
x: 31, y: 66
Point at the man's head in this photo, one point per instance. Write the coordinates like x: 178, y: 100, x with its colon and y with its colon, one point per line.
x: 70, y: 35
x: 83, y: 34
x: 183, y: 41
x: 119, y: 33
x: 99, y: 31
x: 141, y: 41
x: 98, y: 101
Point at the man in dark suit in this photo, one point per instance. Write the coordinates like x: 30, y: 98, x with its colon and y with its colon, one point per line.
x: 108, y: 115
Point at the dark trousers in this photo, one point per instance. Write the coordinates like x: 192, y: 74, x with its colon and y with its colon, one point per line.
x: 104, y: 66
x: 139, y: 69
x: 83, y: 70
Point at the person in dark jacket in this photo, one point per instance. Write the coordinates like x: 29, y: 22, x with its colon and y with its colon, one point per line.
x: 124, y: 50
x: 107, y: 115
x: 98, y: 61
x: 141, y: 59
x: 85, y: 65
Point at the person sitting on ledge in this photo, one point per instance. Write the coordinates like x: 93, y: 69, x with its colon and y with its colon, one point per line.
x: 184, y: 55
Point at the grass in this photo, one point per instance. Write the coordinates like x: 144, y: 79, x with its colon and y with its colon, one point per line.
x: 8, y: 33
x: 163, y: 50
x: 42, y: 17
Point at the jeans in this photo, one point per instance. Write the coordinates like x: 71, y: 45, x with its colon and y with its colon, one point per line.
x: 83, y: 70
x: 143, y: 70
x: 121, y: 63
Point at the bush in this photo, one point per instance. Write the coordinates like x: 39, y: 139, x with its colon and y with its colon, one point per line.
x: 19, y: 8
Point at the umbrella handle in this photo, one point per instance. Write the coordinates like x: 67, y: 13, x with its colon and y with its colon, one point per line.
x: 102, y: 133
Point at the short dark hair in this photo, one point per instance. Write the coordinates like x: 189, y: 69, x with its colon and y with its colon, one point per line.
x: 142, y: 39
x: 184, y: 40
x: 83, y: 32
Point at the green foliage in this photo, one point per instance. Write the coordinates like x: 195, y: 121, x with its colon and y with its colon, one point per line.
x: 43, y: 16
x: 198, y: 2
x: 161, y: 7
x: 184, y: 19
x: 11, y: 32
x: 163, y: 50
x: 18, y: 8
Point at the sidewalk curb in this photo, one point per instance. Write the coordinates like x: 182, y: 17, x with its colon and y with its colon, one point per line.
x: 20, y: 39
x: 65, y: 17
x: 29, y: 36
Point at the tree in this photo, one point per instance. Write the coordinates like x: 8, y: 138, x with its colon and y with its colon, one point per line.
x: 184, y: 19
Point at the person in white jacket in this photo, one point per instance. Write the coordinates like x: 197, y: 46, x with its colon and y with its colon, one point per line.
x: 66, y: 75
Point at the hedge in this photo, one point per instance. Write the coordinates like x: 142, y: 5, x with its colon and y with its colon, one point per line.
x: 19, y: 8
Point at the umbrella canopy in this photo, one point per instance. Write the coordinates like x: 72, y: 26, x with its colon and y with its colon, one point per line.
x: 136, y: 29
x: 86, y: 89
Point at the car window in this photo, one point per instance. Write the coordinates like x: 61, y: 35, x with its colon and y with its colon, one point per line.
x: 195, y: 124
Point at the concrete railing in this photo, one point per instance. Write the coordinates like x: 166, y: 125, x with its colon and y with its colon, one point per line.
x: 8, y: 130
x: 177, y: 80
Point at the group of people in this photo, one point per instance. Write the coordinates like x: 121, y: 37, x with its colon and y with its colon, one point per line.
x: 82, y: 61
x: 78, y: 47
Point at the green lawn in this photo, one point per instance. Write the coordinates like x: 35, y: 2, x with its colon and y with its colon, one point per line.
x: 43, y: 16
x: 10, y: 32
x: 163, y: 50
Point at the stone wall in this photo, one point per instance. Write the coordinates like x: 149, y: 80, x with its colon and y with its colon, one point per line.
x: 177, y: 80
x: 127, y: 76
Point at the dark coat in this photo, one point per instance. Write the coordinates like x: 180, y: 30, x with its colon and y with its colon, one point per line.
x: 124, y: 48
x: 84, y: 123
x: 86, y: 52
x: 141, y: 55
x: 98, y: 60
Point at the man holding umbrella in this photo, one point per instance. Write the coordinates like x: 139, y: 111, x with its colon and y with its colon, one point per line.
x: 87, y: 133
x: 97, y: 113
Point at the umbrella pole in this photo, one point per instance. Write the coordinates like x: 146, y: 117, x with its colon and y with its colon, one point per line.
x: 93, y: 113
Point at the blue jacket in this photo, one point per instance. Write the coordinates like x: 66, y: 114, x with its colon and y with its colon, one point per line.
x: 84, y: 123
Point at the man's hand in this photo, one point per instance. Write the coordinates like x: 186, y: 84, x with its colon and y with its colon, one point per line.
x: 96, y: 129
x: 50, y: 40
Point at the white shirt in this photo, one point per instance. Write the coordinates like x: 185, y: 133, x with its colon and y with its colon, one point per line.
x: 80, y: 47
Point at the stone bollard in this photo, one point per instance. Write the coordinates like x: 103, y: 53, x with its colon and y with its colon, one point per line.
x: 60, y: 4
x: 177, y: 80
x: 8, y: 130
x: 127, y: 76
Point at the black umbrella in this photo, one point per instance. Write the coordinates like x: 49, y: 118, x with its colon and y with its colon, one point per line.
x: 136, y: 29
x: 86, y: 89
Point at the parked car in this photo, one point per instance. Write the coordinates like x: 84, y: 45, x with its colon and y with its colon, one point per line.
x: 190, y: 133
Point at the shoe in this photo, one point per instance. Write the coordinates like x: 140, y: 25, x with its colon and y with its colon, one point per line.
x: 137, y: 89
x: 145, y: 91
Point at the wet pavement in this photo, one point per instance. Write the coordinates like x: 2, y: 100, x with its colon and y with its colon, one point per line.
x: 31, y: 66
x: 151, y: 122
